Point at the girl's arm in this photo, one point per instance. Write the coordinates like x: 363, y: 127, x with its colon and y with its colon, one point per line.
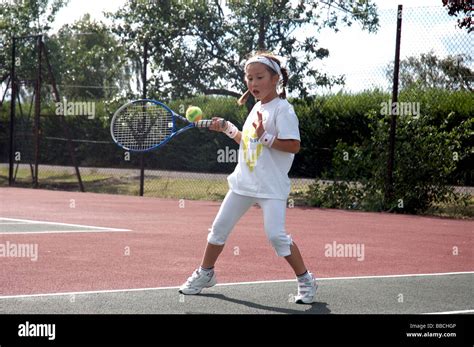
x: 216, y: 126
x: 287, y: 145
x: 238, y: 137
x: 290, y: 146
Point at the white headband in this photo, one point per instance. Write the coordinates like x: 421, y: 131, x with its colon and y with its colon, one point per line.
x: 267, y: 61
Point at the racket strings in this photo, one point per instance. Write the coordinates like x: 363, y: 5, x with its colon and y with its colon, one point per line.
x: 143, y: 125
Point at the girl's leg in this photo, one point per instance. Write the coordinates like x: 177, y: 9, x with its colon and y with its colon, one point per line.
x: 210, y: 256
x: 274, y: 214
x: 232, y: 209
x: 296, y: 260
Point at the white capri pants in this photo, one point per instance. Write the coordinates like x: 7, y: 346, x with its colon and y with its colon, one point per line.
x: 235, y: 205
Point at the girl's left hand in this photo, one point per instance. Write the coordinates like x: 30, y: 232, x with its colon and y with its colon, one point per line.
x: 258, y: 125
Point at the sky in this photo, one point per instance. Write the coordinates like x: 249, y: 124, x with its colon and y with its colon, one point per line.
x: 363, y: 56
x: 360, y: 55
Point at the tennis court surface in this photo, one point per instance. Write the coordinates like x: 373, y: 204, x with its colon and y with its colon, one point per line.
x: 63, y: 252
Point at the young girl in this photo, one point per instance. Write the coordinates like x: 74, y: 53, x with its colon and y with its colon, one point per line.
x: 268, y: 141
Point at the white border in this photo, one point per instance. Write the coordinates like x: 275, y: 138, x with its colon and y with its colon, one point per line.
x: 95, y: 229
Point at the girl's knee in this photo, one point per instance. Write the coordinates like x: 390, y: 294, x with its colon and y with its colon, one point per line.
x: 281, y: 244
x: 217, y: 235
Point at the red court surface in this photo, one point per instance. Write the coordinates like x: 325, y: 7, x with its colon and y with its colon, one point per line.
x: 166, y: 242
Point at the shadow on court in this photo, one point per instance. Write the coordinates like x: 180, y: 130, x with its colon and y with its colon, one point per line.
x: 314, y: 308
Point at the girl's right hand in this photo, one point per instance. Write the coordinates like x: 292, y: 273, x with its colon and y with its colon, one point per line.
x: 216, y: 124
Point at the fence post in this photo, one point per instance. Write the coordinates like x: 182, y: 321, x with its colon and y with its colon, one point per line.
x: 142, y: 155
x: 37, y: 111
x: 12, y: 115
x: 389, y: 191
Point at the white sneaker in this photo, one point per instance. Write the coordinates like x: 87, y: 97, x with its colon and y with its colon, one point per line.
x: 306, y: 290
x: 197, y: 282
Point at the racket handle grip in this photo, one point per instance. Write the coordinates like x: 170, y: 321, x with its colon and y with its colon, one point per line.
x: 206, y: 123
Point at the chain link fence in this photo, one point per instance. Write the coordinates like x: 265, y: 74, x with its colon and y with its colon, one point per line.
x: 44, y: 157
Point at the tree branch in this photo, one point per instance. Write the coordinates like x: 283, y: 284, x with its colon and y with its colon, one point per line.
x: 4, y: 77
x: 221, y: 92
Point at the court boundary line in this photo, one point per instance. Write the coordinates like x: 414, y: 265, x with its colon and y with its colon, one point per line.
x: 111, y: 291
x: 60, y: 232
x: 19, y: 223
x: 32, y: 221
x: 452, y: 312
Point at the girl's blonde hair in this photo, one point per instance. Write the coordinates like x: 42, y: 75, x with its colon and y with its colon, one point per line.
x: 243, y: 99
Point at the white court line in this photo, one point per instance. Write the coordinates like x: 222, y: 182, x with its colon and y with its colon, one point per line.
x: 356, y: 277
x: 59, y: 232
x: 18, y: 223
x: 228, y: 284
x: 27, y: 221
x: 451, y: 312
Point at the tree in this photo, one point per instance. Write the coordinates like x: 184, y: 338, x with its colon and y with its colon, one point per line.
x: 22, y: 18
x: 455, y: 8
x: 431, y: 71
x: 200, y: 46
x: 86, y: 53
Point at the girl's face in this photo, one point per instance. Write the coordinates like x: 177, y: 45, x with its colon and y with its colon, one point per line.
x: 261, y: 83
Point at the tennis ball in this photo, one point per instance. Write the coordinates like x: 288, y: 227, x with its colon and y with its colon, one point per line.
x: 193, y: 114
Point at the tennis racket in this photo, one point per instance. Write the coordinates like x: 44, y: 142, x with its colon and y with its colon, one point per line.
x: 143, y: 125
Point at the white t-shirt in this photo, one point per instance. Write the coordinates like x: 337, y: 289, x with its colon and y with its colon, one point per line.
x: 262, y: 172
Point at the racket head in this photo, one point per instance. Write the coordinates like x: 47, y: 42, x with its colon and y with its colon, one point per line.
x: 142, y: 125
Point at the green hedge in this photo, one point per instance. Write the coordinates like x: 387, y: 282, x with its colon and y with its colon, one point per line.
x: 431, y: 151
x: 326, y: 124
